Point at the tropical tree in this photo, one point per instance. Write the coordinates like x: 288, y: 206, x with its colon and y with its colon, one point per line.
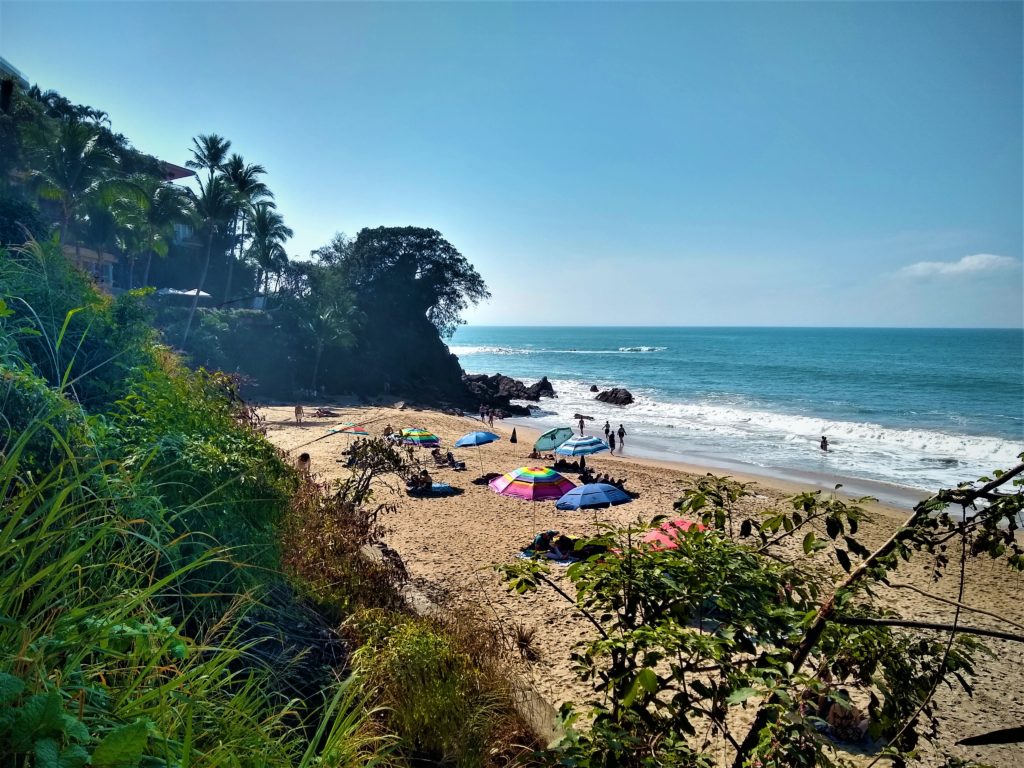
x: 214, y: 208
x: 244, y: 177
x: 71, y: 168
x: 267, y: 247
x: 153, y: 211
x: 415, y: 271
x: 209, y: 151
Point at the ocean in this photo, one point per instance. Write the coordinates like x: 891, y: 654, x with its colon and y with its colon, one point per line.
x: 906, y: 411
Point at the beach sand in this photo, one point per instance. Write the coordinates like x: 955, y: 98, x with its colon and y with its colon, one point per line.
x: 450, y: 546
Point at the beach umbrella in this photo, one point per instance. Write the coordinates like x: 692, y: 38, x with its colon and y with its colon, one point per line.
x: 476, y: 439
x: 581, y: 446
x: 420, y: 437
x: 532, y: 483
x: 353, y: 429
x: 553, y: 438
x: 593, y: 496
x: 666, y: 535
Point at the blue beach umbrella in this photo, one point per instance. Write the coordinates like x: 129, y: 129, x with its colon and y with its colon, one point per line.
x: 593, y: 496
x: 477, y: 439
x: 581, y: 446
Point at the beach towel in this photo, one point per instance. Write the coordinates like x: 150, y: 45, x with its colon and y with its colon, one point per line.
x: 529, y: 554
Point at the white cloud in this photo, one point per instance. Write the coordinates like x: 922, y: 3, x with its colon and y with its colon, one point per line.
x: 968, y: 265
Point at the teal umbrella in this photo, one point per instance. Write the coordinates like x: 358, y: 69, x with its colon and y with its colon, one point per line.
x: 553, y: 438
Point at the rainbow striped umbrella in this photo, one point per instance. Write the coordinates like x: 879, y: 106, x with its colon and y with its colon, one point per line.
x: 420, y: 437
x: 532, y: 483
x: 353, y: 429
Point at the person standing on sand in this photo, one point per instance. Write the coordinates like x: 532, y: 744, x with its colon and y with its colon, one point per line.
x: 607, y: 430
x: 611, y: 442
x: 581, y: 427
x: 622, y: 438
x: 490, y: 418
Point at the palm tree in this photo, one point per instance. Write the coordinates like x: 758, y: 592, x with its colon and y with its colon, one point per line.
x: 267, y: 247
x: 251, y: 191
x: 209, y: 151
x: 214, y: 205
x: 154, y: 210
x: 72, y: 168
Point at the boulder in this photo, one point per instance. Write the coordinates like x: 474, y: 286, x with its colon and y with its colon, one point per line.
x: 616, y: 396
x: 496, y: 391
x: 541, y: 389
x: 593, y: 387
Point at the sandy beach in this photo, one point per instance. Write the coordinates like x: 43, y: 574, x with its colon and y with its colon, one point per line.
x: 450, y: 546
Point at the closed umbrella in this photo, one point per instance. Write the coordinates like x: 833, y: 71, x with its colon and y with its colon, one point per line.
x: 581, y: 446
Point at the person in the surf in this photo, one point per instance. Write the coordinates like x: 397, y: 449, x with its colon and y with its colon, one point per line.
x: 824, y: 443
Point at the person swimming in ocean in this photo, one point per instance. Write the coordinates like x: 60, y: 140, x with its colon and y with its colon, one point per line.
x: 824, y: 443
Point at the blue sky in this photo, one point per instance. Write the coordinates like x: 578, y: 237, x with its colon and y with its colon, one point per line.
x: 648, y: 164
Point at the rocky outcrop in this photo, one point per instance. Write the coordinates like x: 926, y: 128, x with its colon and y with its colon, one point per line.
x: 616, y: 396
x: 498, y: 391
x: 541, y: 389
x: 593, y: 387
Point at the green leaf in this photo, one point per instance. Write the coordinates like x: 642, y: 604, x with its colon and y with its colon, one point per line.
x: 122, y: 747
x: 646, y: 680
x: 10, y: 687
x: 74, y: 757
x: 74, y: 728
x: 740, y: 695
x: 844, y: 559
x: 5, y: 311
x: 809, y: 542
x: 47, y: 754
x: 832, y: 526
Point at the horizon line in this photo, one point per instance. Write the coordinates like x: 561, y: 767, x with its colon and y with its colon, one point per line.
x: 766, y: 327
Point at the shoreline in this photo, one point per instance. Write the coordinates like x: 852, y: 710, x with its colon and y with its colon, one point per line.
x: 895, y: 501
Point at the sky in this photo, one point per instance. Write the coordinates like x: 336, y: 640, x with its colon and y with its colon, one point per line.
x: 767, y: 164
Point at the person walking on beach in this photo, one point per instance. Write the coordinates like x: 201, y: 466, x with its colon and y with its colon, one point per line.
x: 483, y: 412
x: 607, y: 430
x: 490, y: 418
x: 824, y: 443
x: 611, y: 442
x: 581, y: 427
x: 622, y: 438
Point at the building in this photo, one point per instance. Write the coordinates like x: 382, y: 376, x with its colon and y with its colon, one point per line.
x: 99, y: 265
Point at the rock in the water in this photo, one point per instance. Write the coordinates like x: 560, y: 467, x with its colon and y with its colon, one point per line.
x: 616, y: 396
x: 541, y: 389
x: 593, y: 387
x: 496, y: 391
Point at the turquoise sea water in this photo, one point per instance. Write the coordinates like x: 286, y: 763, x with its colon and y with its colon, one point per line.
x: 915, y: 408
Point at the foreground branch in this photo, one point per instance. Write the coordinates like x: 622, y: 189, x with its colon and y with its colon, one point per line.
x: 962, y: 496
